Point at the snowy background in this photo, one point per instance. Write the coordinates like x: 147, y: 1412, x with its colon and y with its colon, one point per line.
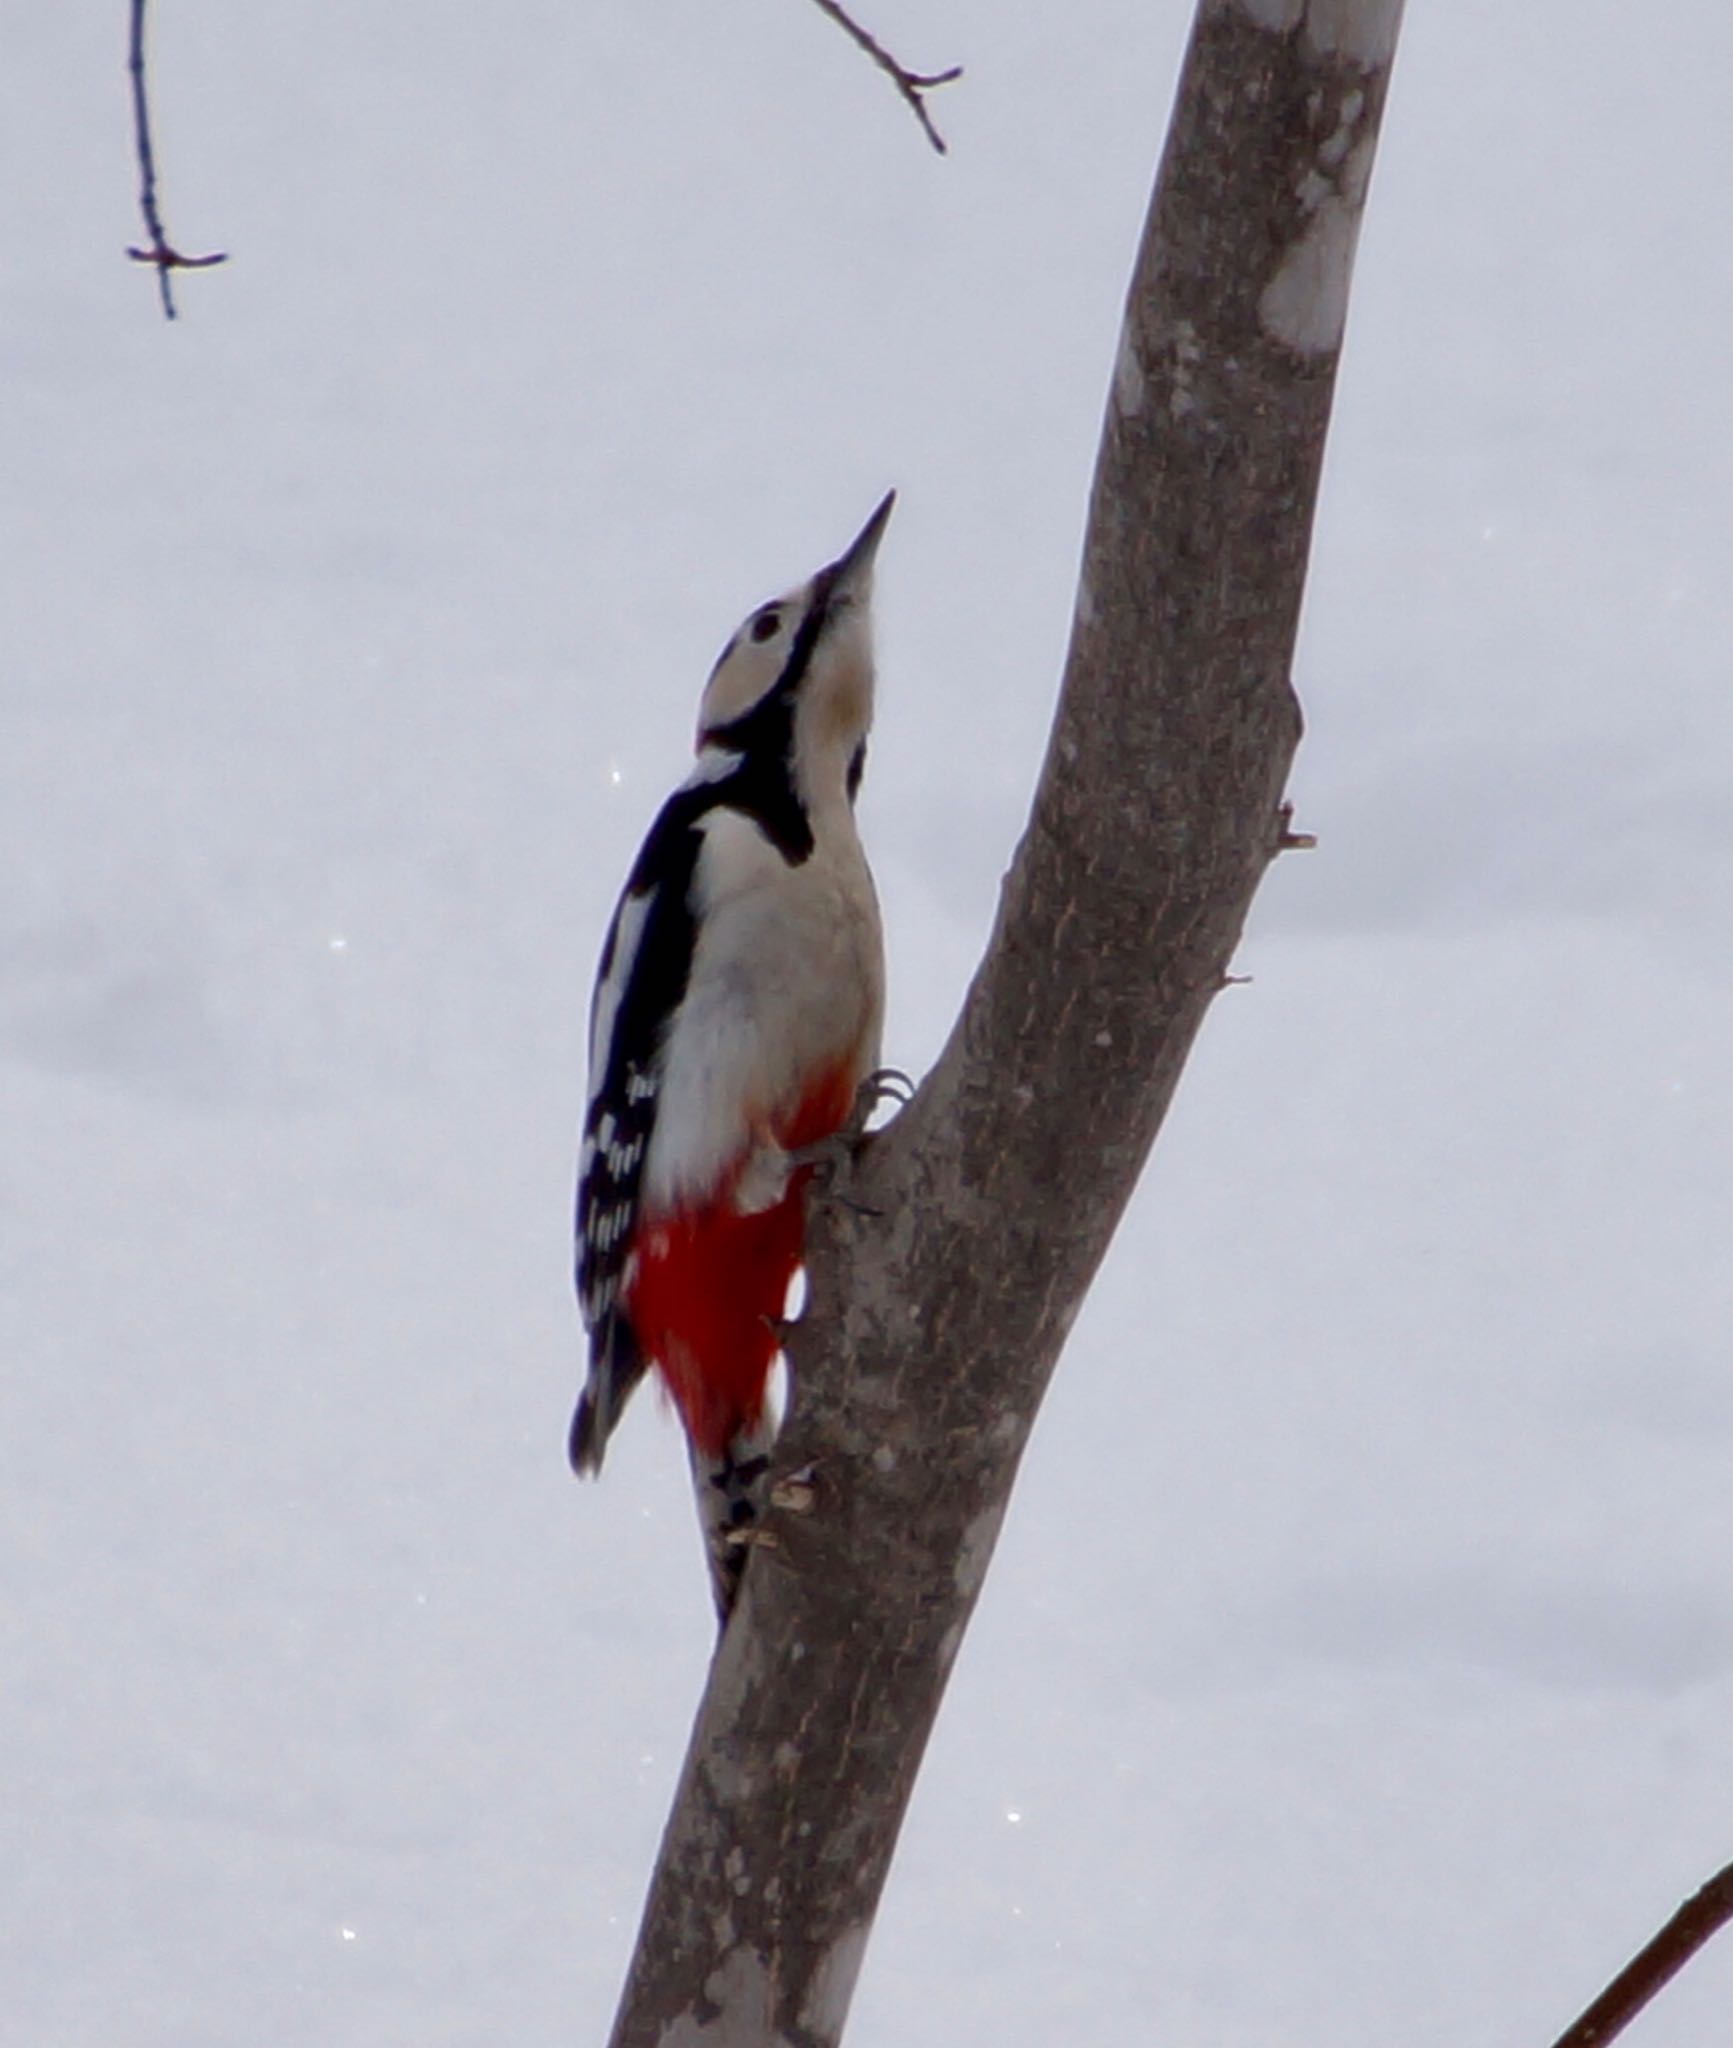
x: 1358, y: 1663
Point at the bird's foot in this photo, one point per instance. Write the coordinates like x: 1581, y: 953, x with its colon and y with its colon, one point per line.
x: 833, y: 1160
x: 883, y: 1084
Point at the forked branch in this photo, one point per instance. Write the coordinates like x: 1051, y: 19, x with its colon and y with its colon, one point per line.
x: 161, y: 253
x: 913, y: 85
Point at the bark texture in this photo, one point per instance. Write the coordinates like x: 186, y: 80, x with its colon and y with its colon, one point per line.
x: 942, y: 1291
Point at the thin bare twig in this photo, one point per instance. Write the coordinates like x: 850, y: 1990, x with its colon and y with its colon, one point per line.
x: 161, y: 253
x: 1699, y: 1917
x: 911, y: 84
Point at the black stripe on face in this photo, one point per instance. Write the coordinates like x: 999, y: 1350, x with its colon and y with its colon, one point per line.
x: 762, y: 789
x: 772, y: 714
x: 762, y: 786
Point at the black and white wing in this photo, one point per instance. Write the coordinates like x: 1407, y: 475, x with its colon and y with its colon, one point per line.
x: 646, y: 962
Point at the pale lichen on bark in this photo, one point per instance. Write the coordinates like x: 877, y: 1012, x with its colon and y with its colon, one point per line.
x: 1364, y: 30
x: 1127, y: 378
x: 825, y: 2005
x: 1305, y: 303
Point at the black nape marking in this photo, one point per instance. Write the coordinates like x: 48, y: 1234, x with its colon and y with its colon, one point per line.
x: 763, y: 788
x: 856, y: 769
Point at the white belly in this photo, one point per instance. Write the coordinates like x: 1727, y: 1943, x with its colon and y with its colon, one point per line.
x: 787, y: 982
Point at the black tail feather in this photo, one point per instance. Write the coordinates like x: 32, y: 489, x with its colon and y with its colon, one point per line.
x: 616, y: 1367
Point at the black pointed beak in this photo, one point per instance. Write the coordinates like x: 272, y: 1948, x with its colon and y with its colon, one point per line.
x: 852, y: 571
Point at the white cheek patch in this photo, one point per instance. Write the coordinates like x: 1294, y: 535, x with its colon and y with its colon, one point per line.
x: 748, y: 669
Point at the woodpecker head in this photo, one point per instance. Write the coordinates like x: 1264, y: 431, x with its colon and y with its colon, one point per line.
x: 796, y: 680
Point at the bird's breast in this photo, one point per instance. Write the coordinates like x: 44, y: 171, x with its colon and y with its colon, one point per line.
x: 786, y: 990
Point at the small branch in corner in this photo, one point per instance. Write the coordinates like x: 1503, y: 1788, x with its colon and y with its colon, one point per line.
x: 161, y: 253
x: 911, y: 84
x: 1706, y: 1912
x: 1287, y: 839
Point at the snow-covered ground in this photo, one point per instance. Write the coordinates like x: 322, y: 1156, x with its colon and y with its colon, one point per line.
x: 1358, y: 1663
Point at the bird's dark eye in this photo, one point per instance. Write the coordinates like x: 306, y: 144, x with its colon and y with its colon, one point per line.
x: 767, y: 624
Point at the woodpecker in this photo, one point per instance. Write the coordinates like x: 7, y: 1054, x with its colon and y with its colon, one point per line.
x: 735, y: 1019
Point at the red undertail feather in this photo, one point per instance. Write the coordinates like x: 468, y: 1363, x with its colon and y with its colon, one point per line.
x: 712, y: 1284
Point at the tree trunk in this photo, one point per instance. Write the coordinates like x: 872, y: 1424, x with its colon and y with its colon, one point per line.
x: 942, y: 1290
